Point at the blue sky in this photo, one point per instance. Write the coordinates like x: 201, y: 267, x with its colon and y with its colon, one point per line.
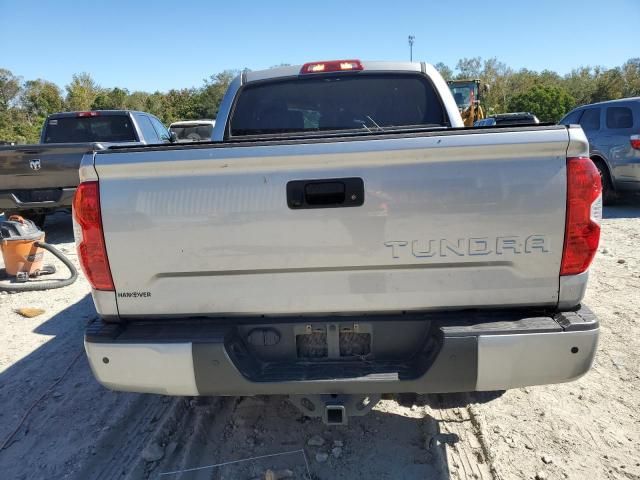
x: 158, y: 45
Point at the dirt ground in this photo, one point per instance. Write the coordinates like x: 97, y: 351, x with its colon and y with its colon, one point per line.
x: 56, y: 422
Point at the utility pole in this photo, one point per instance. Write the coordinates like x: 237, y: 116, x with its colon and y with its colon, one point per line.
x: 411, y: 40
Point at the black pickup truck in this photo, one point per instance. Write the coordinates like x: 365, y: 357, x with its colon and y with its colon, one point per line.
x: 38, y: 179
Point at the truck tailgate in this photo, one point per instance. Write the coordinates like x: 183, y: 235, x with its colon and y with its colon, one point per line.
x: 41, y: 166
x: 449, y: 219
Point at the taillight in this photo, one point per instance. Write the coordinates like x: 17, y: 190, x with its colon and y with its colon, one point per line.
x: 332, y: 66
x: 90, y: 239
x: 87, y: 114
x: 582, y: 233
x: 635, y: 141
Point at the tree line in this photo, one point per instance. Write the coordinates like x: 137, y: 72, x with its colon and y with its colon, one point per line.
x: 25, y: 104
x: 546, y: 94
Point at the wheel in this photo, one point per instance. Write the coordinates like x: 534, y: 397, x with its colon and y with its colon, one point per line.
x: 608, y: 193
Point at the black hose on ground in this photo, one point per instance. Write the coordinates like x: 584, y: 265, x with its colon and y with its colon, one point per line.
x: 38, y: 286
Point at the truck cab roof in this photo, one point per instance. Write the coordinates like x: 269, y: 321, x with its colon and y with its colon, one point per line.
x: 364, y: 95
x: 90, y: 113
x: 367, y: 66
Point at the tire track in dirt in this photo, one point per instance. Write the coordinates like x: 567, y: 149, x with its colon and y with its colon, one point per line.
x: 468, y: 456
x: 118, y: 449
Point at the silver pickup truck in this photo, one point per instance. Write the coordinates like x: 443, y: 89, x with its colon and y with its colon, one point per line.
x: 343, y: 236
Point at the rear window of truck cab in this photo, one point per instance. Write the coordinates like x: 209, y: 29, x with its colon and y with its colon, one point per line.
x: 103, y: 128
x: 350, y: 101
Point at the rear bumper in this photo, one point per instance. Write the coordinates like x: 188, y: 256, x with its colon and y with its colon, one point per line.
x: 473, y: 353
x: 22, y: 200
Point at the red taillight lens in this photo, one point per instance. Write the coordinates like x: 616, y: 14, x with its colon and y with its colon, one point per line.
x: 87, y: 114
x: 582, y: 233
x: 635, y: 141
x: 90, y: 241
x: 332, y: 66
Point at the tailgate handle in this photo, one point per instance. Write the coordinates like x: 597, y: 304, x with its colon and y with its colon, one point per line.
x: 325, y: 193
x: 329, y: 193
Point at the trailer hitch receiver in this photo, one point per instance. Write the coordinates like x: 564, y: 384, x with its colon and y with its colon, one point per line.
x: 335, y: 409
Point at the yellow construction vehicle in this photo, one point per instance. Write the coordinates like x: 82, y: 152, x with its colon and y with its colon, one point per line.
x: 467, y: 95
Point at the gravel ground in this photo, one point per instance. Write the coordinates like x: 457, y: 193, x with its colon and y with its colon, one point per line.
x: 57, y: 422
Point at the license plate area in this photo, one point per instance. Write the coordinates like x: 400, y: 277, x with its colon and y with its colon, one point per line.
x: 333, y: 341
x: 337, y: 339
x: 335, y: 347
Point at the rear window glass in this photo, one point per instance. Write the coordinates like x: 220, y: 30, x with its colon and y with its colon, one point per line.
x: 619, y: 117
x: 108, y: 128
x: 590, y: 119
x: 193, y: 133
x: 337, y: 102
x: 572, y: 118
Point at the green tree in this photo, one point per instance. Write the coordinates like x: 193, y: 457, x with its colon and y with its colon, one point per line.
x: 469, y: 68
x: 114, y: 99
x: 522, y: 80
x: 444, y: 70
x: 15, y: 126
x: 549, y: 77
x: 81, y: 92
x: 580, y: 83
x: 9, y: 88
x: 494, y: 78
x: 26, y: 130
x: 154, y: 104
x: 609, y: 85
x: 211, y: 94
x: 137, y: 101
x: 41, y: 98
x: 631, y: 76
x: 180, y: 105
x: 549, y: 103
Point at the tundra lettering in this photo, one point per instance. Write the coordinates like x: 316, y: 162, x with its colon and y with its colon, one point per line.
x: 472, y: 246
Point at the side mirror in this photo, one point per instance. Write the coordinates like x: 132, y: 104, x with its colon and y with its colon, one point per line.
x: 173, y: 138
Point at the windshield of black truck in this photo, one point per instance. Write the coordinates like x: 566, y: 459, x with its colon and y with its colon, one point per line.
x: 338, y: 102
x: 108, y: 128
